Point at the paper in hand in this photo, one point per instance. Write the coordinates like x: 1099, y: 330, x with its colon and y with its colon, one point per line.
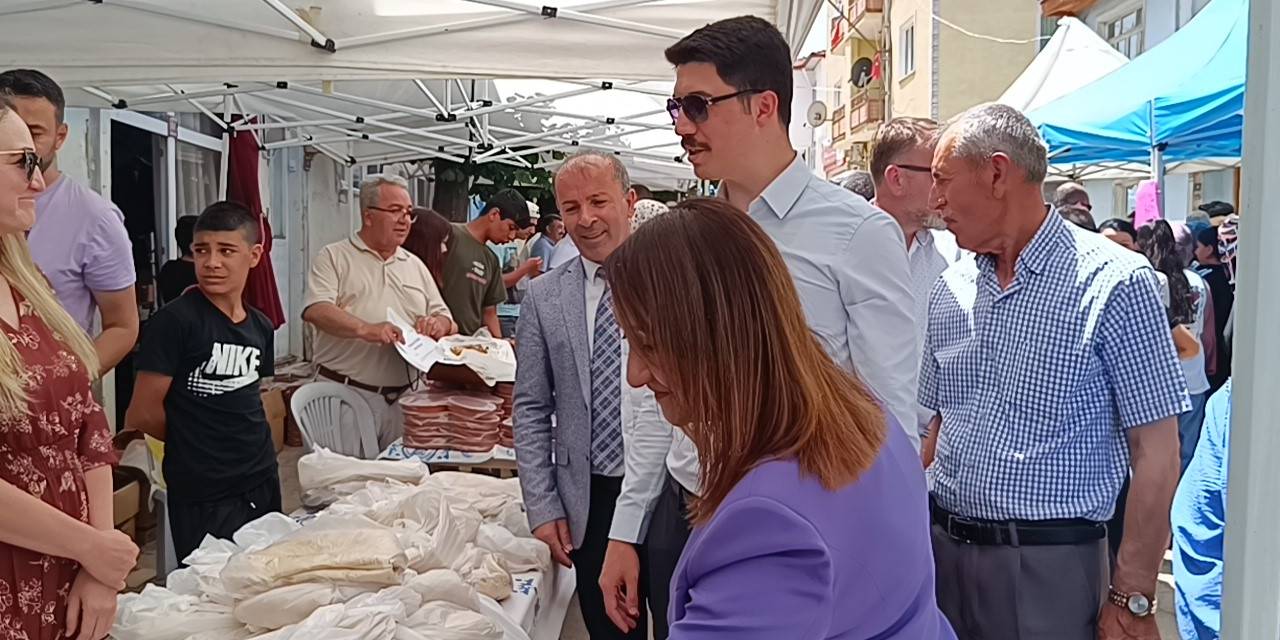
x: 418, y: 350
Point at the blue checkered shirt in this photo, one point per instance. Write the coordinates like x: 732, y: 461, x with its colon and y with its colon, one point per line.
x: 1038, y: 383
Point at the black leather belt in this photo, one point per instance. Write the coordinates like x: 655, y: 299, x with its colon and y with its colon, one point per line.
x: 1015, y: 533
x: 390, y: 394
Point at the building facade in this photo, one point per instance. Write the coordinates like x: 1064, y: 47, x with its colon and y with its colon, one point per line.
x: 945, y: 56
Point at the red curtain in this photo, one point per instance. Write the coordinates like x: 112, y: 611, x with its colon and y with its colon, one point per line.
x: 242, y: 186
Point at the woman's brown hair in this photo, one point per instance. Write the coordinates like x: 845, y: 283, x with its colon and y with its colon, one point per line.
x: 704, y: 295
x: 428, y: 233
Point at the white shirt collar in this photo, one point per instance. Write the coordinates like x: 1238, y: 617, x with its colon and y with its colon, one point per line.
x: 591, y: 269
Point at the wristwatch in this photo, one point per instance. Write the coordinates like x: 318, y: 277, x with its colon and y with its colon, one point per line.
x: 1136, y: 603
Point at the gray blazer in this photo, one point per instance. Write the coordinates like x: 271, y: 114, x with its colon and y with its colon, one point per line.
x: 553, y: 376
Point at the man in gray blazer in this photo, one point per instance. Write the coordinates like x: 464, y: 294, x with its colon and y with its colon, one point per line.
x: 573, y: 410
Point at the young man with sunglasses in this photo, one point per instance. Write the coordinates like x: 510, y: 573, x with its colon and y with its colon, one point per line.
x: 352, y: 284
x: 79, y: 239
x: 732, y: 109
x: 901, y: 168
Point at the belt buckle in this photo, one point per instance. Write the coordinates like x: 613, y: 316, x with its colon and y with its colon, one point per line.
x: 957, y: 520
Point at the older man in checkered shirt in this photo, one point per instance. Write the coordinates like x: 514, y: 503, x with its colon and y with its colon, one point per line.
x: 1052, y: 371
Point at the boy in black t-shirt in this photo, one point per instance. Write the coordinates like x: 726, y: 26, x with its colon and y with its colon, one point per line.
x: 199, y: 368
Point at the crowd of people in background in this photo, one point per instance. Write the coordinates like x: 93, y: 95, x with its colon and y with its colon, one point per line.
x: 928, y: 403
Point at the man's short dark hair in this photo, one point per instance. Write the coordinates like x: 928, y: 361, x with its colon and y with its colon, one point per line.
x: 183, y: 232
x: 544, y: 222
x: 1121, y: 225
x: 642, y: 192
x: 898, y: 136
x: 860, y: 182
x: 748, y: 53
x: 29, y: 83
x: 229, y: 216
x: 1079, y: 216
x: 511, y: 206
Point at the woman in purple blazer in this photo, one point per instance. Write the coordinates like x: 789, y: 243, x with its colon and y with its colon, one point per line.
x: 813, y: 519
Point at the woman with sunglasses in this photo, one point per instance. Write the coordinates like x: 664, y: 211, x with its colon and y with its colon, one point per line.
x: 61, y: 560
x: 812, y: 522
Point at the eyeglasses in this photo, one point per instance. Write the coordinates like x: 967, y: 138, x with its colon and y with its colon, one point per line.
x: 914, y: 167
x: 697, y: 108
x: 30, y: 161
x: 399, y: 212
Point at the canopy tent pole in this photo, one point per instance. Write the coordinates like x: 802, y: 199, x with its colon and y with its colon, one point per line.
x: 1251, y: 579
x: 584, y: 17
x: 224, y: 163
x: 1157, y: 159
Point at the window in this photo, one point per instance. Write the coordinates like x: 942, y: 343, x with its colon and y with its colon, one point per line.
x: 1124, y: 32
x: 907, y: 49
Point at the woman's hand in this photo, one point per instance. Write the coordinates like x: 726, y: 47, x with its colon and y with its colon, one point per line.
x: 108, y: 557
x: 91, y: 608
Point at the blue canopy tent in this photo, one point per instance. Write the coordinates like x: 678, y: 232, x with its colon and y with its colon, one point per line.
x: 1181, y: 100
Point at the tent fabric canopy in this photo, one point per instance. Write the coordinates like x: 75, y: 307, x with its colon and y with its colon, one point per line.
x: 118, y: 42
x: 1074, y: 57
x: 382, y: 81
x: 1185, y: 96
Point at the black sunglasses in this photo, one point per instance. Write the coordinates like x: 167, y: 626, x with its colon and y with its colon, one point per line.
x: 29, y: 161
x: 697, y: 108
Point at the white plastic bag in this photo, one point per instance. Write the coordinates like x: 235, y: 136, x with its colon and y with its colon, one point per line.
x: 371, y: 616
x: 160, y: 614
x: 283, y: 606
x: 520, y: 555
x: 345, y: 556
x: 448, y: 621
x: 444, y: 585
x: 326, y: 476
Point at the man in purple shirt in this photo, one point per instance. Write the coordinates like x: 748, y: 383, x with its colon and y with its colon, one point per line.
x: 79, y: 240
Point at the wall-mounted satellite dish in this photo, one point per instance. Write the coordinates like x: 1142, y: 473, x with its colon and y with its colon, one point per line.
x: 860, y: 75
x: 817, y: 113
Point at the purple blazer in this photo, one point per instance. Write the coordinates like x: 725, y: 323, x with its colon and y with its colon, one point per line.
x: 785, y: 558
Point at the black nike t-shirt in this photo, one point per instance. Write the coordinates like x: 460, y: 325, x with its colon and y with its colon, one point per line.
x: 217, y: 442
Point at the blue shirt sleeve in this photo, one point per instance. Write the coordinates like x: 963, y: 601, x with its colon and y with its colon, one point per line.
x: 1137, y: 352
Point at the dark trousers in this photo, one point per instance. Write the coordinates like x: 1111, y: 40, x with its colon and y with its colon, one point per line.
x: 668, y: 532
x: 588, y: 560
x: 1020, y: 593
x: 189, y: 522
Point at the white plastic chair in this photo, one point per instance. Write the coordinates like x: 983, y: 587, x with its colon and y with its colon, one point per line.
x: 318, y: 407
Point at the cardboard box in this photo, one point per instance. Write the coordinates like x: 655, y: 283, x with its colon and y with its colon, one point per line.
x: 126, y: 502
x: 277, y: 412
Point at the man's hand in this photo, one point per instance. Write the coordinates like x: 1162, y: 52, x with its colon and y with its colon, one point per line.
x: 532, y: 267
x: 1115, y: 623
x: 620, y: 584
x: 381, y: 333
x: 91, y: 608
x: 555, y: 534
x: 435, y: 327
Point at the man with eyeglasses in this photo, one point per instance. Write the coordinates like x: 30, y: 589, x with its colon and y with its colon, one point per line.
x: 732, y: 108
x: 900, y: 167
x: 352, y: 284
x: 473, y: 279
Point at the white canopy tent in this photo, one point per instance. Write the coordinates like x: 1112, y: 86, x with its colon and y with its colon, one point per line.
x: 377, y: 81
x: 1074, y: 57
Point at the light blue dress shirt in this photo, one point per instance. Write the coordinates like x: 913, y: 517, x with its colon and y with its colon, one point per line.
x: 849, y: 263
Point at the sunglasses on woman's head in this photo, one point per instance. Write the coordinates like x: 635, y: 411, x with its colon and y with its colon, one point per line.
x: 29, y: 161
x: 697, y: 108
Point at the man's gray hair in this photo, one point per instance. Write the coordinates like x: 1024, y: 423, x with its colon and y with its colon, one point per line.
x: 371, y: 188
x: 595, y: 157
x: 992, y: 128
x: 1070, y: 193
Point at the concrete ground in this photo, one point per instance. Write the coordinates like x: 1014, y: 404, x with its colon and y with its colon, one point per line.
x: 574, y: 629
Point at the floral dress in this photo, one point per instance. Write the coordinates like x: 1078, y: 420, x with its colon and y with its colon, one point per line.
x: 46, y: 454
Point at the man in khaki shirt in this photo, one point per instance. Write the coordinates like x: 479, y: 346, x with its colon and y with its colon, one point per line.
x: 352, y: 284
